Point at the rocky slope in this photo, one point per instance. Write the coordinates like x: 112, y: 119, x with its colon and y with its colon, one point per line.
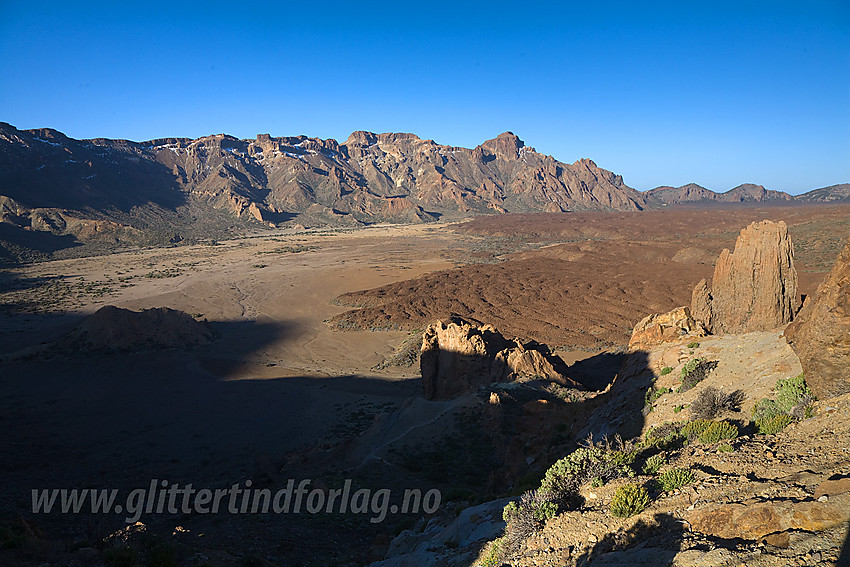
x: 698, y: 481
x: 696, y: 194
x: 832, y: 194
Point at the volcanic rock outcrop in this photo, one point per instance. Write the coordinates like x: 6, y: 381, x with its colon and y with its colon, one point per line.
x: 113, y: 328
x: 665, y: 327
x: 820, y: 335
x: 755, y: 287
x: 457, y: 357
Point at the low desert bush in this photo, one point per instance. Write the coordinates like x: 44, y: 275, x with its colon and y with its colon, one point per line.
x: 604, y: 461
x: 665, y: 436
x: 651, y: 396
x: 666, y: 370
x: 774, y: 424
x: 712, y: 401
x: 675, y: 478
x: 629, y: 500
x: 793, y: 401
x: 718, y: 431
x: 694, y: 372
x: 766, y: 409
x: 693, y: 345
x: 791, y: 391
x: 654, y: 463
x: 491, y: 555
x: 524, y: 517
x: 693, y: 429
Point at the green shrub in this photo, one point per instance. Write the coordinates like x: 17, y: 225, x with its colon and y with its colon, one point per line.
x: 766, y: 409
x: 651, y: 396
x: 694, y: 428
x: 725, y: 448
x: 629, y: 500
x: 545, y: 511
x: 678, y: 408
x: 665, y: 436
x: 162, y: 555
x: 675, y: 478
x: 510, y: 511
x: 694, y: 372
x: 793, y: 401
x: 693, y: 345
x: 584, y: 464
x: 774, y: 424
x: 717, y: 431
x: 654, y: 463
x: 666, y: 370
x: 524, y: 517
x: 491, y: 556
x: 790, y: 391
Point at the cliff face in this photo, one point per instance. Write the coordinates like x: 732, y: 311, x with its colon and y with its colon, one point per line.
x: 755, y: 287
x: 370, y: 177
x: 820, y: 336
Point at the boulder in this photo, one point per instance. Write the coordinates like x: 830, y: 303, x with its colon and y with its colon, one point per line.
x: 754, y: 521
x: 820, y: 336
x: 665, y: 327
x: 457, y: 357
x: 755, y: 287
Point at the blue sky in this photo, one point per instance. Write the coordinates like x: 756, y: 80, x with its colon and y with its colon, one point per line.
x: 663, y: 93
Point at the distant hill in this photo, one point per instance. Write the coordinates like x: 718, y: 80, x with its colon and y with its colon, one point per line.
x: 832, y: 194
x: 170, y: 189
x: 695, y: 194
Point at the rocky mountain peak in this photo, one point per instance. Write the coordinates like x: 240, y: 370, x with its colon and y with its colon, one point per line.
x: 361, y: 138
x: 506, y: 145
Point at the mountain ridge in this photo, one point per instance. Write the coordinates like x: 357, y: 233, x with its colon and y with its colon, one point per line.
x: 166, y: 190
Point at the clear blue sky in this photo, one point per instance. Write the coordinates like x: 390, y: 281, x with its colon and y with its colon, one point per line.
x: 664, y: 93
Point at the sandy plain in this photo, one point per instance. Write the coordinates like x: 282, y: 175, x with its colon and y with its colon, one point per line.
x: 283, y: 377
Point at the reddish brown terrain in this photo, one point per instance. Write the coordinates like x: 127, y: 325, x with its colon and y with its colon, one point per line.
x: 590, y: 276
x: 276, y: 392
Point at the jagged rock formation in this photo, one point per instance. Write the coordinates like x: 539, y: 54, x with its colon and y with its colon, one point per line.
x: 755, y: 287
x: 271, y: 180
x: 113, y: 328
x: 821, y: 333
x: 695, y: 194
x: 457, y: 357
x: 665, y: 327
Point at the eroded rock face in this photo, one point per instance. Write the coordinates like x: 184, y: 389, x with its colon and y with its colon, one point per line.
x: 755, y: 287
x: 457, y: 357
x: 820, y: 335
x: 665, y: 327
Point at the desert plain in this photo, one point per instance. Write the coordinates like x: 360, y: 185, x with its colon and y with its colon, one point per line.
x: 315, y: 336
